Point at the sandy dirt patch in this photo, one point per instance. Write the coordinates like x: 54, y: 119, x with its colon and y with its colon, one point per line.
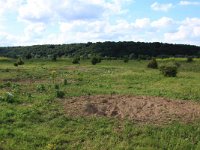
x: 141, y: 109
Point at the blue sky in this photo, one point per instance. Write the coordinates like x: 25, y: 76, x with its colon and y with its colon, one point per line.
x: 30, y: 22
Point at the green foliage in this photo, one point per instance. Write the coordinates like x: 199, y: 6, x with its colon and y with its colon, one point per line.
x: 132, y: 56
x: 189, y: 59
x: 177, y: 64
x: 7, y: 84
x: 20, y: 61
x: 110, y: 49
x: 54, y: 57
x: 95, y: 60
x: 76, y: 60
x: 153, y: 64
x: 60, y: 94
x: 41, y: 88
x: 8, y: 97
x: 39, y: 120
x: 56, y: 86
x: 65, y: 82
x: 169, y: 70
x: 126, y: 60
x: 28, y: 56
x: 15, y: 64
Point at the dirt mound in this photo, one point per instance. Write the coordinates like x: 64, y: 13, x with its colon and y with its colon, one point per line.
x: 143, y: 109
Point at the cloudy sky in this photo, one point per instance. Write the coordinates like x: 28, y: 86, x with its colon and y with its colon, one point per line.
x: 29, y: 22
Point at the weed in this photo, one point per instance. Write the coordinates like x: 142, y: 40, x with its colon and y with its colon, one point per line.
x: 41, y: 88
x: 153, y: 64
x: 76, y: 60
x: 169, y: 70
x: 65, y: 82
x: 60, y: 94
x: 95, y: 60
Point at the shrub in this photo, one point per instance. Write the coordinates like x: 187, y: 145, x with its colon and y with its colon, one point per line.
x: 15, y: 64
x: 169, y: 70
x: 41, y: 88
x: 132, y: 56
x: 95, y: 60
x: 8, y: 84
x: 153, y: 64
x: 126, y: 60
x: 60, y: 94
x: 56, y: 86
x: 20, y: 62
x: 189, y: 59
x: 65, y: 82
x: 76, y: 60
x: 9, y: 97
x: 177, y: 64
x: 54, y: 57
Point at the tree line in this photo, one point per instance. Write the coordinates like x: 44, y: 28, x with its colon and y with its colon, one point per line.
x: 107, y: 49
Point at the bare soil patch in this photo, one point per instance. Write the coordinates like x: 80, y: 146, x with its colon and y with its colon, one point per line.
x: 141, y: 109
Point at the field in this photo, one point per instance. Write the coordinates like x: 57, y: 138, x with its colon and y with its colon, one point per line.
x: 34, y: 117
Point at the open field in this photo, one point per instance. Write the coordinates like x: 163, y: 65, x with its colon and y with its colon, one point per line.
x: 34, y: 118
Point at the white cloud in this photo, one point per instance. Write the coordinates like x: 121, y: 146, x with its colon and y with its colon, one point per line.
x: 142, y: 23
x: 7, y: 5
x: 68, y: 10
x: 162, y: 22
x: 185, y: 3
x: 188, y: 32
x: 161, y: 7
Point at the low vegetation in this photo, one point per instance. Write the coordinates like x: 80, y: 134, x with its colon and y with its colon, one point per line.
x: 153, y: 64
x: 33, y: 115
x: 169, y: 70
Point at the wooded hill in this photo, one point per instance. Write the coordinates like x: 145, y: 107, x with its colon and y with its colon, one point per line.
x: 103, y: 49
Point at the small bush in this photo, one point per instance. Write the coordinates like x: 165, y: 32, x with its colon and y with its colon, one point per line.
x: 56, y: 86
x: 16, y: 64
x: 7, y: 84
x: 177, y: 64
x: 153, y: 64
x: 60, y: 94
x: 9, y: 97
x: 76, y: 60
x: 126, y: 60
x: 189, y: 59
x: 41, y: 88
x: 95, y: 60
x: 169, y: 70
x: 20, y: 62
x: 54, y: 57
x: 65, y: 82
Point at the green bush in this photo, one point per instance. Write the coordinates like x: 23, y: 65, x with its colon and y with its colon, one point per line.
x: 189, y: 59
x: 60, y: 94
x: 153, y: 64
x: 95, y: 60
x: 15, y: 64
x: 56, y: 86
x: 9, y: 98
x: 41, y: 88
x: 20, y: 61
x: 126, y: 60
x: 76, y: 60
x: 54, y: 57
x: 169, y: 70
x: 65, y: 82
x: 177, y: 64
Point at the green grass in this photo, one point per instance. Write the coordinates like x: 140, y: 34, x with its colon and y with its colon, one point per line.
x: 36, y: 120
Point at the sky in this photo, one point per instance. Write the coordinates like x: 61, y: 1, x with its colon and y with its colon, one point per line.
x: 31, y: 22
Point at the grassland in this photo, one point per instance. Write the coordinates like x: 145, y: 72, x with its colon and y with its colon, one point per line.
x: 35, y: 119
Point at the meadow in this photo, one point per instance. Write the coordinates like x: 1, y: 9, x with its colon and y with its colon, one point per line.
x: 32, y: 114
